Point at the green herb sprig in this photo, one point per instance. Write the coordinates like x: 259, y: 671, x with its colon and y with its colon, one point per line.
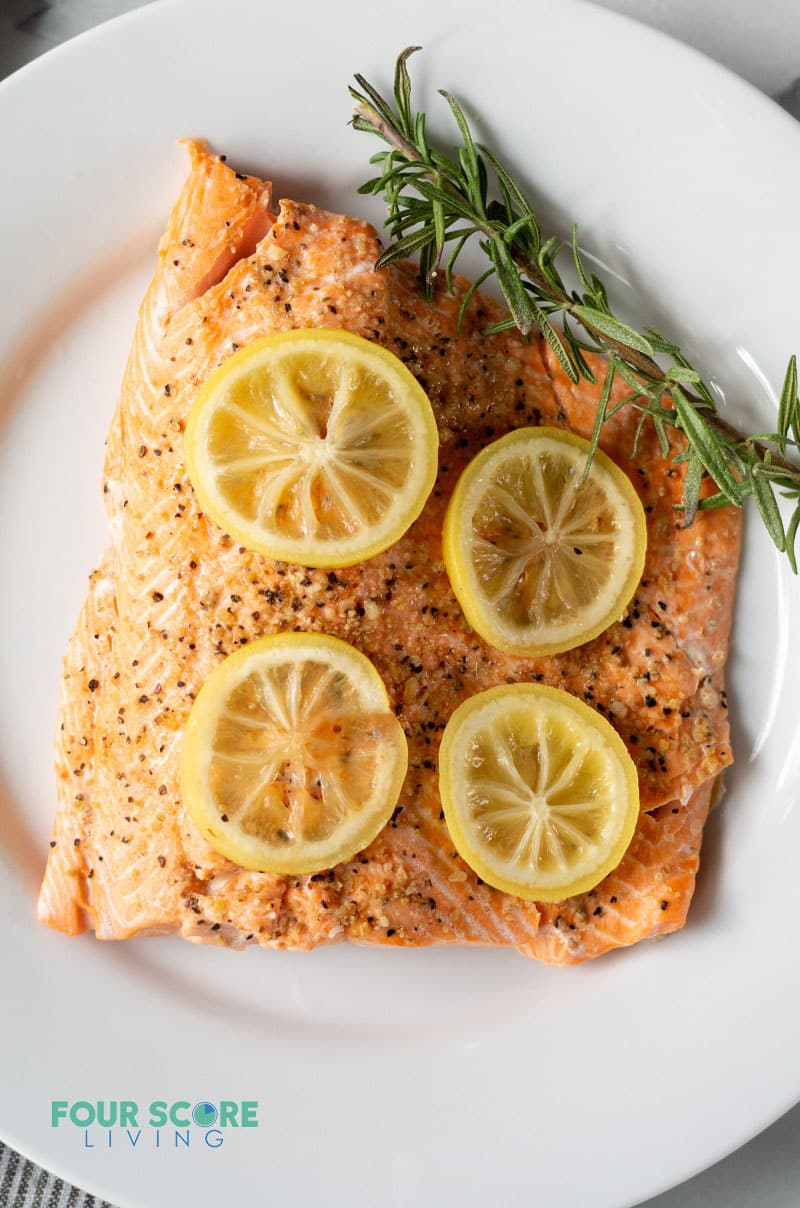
x: 437, y: 203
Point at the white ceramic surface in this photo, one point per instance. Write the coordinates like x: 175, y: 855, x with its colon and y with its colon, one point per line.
x: 416, y: 1077
x: 758, y: 41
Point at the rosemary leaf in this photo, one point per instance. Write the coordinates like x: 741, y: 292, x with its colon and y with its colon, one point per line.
x: 404, y: 247
x: 494, y: 329
x: 378, y: 103
x: 600, y: 416
x: 515, y: 295
x: 505, y: 178
x: 451, y: 260
x: 468, y: 153
x: 692, y: 483
x: 638, y: 434
x: 717, y: 500
x: 364, y: 124
x: 513, y: 229
x: 707, y: 446
x: 436, y: 198
x: 576, y: 259
x: 402, y: 89
x: 661, y: 433
x: 629, y: 378
x: 770, y: 512
x: 439, y: 230
x: 630, y: 400
x: 576, y: 351
x: 682, y: 373
x: 787, y: 409
x: 465, y: 301
x: 554, y: 341
x: 791, y: 534
x: 660, y: 342
x: 599, y: 292
x: 427, y: 264
x: 764, y: 469
x: 420, y: 138
x: 609, y: 326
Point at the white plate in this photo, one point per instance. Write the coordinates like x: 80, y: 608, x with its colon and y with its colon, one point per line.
x: 431, y: 1077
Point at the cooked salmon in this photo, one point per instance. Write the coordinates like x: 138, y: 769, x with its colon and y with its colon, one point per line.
x: 174, y: 594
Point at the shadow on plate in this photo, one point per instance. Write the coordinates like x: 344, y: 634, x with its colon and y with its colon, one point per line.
x: 705, y: 903
x: 19, y: 843
x: 56, y: 319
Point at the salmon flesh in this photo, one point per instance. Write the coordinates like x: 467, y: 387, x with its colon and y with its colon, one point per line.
x: 173, y: 595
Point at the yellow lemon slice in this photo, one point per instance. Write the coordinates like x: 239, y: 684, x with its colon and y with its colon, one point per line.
x: 539, y: 561
x: 539, y: 793
x: 314, y: 447
x: 292, y: 759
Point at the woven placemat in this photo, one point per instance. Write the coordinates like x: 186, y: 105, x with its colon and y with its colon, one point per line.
x: 25, y: 1185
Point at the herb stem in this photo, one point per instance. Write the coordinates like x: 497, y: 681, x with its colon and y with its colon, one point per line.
x: 430, y: 197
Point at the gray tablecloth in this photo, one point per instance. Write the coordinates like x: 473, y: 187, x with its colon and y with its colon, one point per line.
x: 25, y: 1185
x: 29, y: 28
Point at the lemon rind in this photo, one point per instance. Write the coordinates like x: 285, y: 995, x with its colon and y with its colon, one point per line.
x: 465, y: 583
x: 449, y: 762
x: 196, y: 747
x: 324, y: 554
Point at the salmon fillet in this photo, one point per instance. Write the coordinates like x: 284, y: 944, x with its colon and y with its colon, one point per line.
x: 174, y: 594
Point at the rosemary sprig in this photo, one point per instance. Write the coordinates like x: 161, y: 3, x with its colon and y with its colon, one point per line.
x: 437, y: 203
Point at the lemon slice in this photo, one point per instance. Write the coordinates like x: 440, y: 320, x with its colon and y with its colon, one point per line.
x: 292, y: 760
x: 539, y: 793
x: 539, y: 562
x: 314, y: 447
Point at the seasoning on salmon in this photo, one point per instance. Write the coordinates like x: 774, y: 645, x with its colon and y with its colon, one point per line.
x: 174, y: 594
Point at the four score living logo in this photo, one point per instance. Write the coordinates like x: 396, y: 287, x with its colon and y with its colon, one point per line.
x: 110, y: 1123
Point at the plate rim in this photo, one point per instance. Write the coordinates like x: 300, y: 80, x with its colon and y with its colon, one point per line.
x: 36, y: 71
